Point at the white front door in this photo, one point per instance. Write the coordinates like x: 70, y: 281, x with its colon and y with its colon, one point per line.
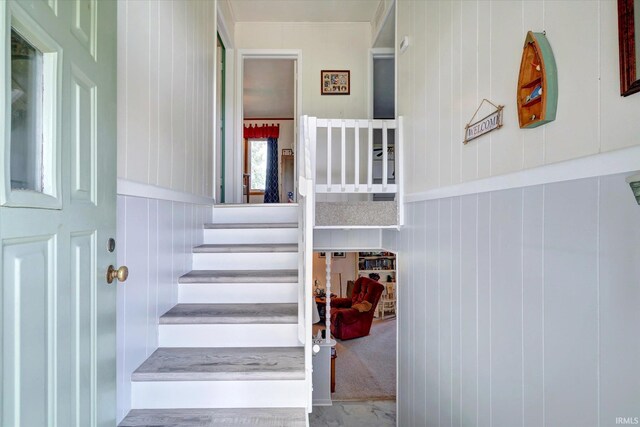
x: 57, y: 213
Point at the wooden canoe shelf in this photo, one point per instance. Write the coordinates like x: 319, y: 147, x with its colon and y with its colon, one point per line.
x: 537, y: 83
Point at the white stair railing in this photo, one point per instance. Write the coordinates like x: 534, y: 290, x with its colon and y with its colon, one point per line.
x: 349, y: 174
x: 308, y: 187
x: 306, y: 218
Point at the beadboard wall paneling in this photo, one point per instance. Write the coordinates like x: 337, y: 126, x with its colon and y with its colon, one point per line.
x: 165, y: 93
x: 519, y: 307
x: 155, y: 238
x: 464, y: 51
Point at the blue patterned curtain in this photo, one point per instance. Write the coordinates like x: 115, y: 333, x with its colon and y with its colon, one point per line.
x: 271, y: 185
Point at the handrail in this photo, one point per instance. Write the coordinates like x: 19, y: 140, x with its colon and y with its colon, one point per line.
x: 400, y: 170
x: 306, y: 206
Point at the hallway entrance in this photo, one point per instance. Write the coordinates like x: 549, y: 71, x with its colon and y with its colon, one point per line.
x: 268, y: 130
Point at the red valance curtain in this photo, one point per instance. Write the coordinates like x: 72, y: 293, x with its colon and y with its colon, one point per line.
x: 264, y: 131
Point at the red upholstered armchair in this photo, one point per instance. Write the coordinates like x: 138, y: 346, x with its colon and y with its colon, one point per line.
x: 347, y: 322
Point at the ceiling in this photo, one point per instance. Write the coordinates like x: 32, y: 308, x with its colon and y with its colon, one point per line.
x: 268, y: 88
x: 303, y: 10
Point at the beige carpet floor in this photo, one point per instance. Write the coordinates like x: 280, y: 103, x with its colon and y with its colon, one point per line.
x: 366, y: 367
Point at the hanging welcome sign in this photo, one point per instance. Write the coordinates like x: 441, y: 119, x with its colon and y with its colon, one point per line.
x: 485, y: 125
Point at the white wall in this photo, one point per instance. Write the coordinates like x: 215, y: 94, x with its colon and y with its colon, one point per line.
x: 225, y: 23
x: 347, y: 240
x: 324, y: 46
x: 155, y: 238
x: 462, y: 52
x: 521, y: 307
x: 344, y: 268
x: 165, y: 93
x: 328, y: 46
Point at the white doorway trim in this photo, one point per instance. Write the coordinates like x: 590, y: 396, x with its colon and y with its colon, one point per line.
x: 376, y: 52
x: 222, y: 29
x: 242, y: 54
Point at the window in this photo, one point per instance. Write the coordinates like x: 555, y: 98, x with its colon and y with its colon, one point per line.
x: 257, y: 153
x: 26, y: 115
x: 32, y: 145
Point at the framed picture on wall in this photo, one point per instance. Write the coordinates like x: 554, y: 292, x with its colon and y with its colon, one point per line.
x: 335, y: 82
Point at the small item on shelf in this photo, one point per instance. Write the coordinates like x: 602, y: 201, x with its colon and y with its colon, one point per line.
x: 374, y: 276
x: 535, y: 93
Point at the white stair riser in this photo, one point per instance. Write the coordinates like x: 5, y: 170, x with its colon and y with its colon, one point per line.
x: 229, y: 335
x: 255, y: 214
x: 246, y: 261
x: 237, y: 293
x: 250, y: 235
x: 218, y: 394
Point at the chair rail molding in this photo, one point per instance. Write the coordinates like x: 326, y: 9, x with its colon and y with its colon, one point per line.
x: 147, y: 191
x: 610, y: 163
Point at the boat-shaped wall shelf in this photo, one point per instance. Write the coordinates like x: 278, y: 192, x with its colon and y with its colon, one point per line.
x: 537, y: 83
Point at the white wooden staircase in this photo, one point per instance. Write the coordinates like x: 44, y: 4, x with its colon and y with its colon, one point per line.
x: 230, y: 351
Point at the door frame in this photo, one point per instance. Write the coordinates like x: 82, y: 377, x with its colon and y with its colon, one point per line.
x: 242, y: 54
x: 222, y: 120
x: 227, y: 90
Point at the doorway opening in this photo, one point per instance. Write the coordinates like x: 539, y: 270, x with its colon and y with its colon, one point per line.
x: 358, y: 362
x: 268, y: 129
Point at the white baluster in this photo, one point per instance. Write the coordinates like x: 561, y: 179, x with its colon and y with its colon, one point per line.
x: 385, y: 156
x: 329, y: 155
x: 328, y: 299
x: 356, y: 129
x: 370, y: 157
x: 343, y: 157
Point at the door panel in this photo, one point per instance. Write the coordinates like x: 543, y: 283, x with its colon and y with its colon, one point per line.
x: 83, y: 138
x: 83, y: 261
x: 29, y: 290
x: 58, y: 313
x: 84, y: 23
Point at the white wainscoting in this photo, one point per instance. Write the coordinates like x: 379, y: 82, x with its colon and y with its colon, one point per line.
x: 520, y: 307
x: 155, y: 238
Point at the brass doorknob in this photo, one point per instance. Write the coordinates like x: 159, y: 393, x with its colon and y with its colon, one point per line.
x: 119, y: 274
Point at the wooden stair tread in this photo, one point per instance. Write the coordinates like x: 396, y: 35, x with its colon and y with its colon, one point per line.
x: 227, y: 226
x: 246, y: 248
x: 240, y: 276
x: 189, y: 314
x: 222, y: 364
